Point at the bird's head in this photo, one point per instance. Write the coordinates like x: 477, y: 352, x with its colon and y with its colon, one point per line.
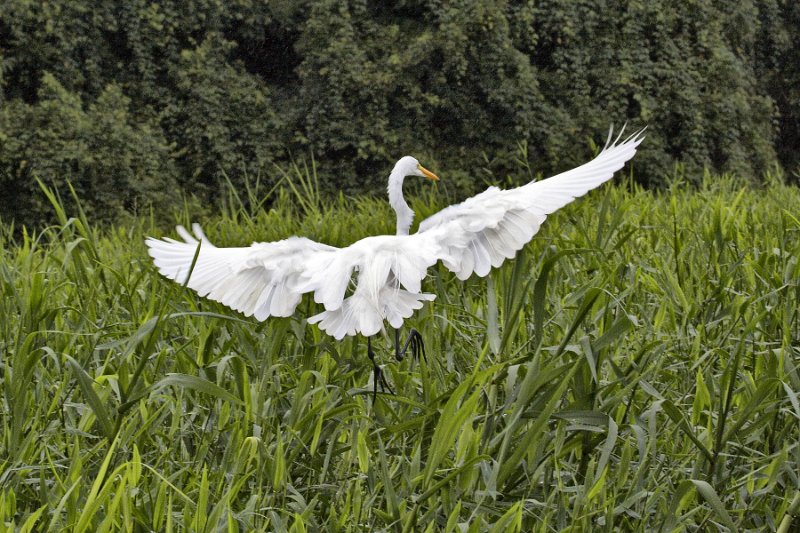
x: 409, y: 166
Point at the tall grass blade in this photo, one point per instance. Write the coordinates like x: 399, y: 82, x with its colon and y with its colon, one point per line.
x: 185, y: 381
x: 710, y: 495
x: 95, y: 403
x: 540, y: 293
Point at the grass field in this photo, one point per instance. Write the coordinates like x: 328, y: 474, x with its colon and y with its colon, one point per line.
x: 635, y: 369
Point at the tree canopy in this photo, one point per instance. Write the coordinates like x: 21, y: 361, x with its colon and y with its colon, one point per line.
x: 133, y: 101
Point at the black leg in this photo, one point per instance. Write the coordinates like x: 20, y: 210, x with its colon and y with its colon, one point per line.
x: 414, y: 341
x: 378, y: 378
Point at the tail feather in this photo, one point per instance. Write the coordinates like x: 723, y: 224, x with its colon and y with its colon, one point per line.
x: 358, y: 315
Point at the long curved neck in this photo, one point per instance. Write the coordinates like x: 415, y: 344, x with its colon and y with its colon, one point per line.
x: 404, y: 213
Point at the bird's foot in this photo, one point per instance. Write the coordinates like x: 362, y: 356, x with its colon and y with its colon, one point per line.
x: 378, y: 378
x: 415, y: 342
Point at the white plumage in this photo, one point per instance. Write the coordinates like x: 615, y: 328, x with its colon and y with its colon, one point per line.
x: 379, y: 278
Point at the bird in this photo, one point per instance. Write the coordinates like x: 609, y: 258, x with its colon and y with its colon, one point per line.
x: 378, y: 279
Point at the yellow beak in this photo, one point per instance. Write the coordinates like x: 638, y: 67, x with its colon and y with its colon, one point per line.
x: 427, y: 173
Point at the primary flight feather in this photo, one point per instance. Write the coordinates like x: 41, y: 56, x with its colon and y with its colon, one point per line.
x: 384, y: 272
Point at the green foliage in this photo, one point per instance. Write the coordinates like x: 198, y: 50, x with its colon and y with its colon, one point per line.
x: 376, y: 83
x: 222, y: 117
x: 687, y: 70
x: 778, y: 64
x: 214, y: 90
x: 108, y: 154
x: 634, y: 369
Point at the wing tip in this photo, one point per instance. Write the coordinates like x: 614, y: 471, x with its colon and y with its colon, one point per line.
x: 634, y: 139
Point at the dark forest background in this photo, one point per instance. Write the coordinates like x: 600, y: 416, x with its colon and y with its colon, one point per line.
x: 139, y: 103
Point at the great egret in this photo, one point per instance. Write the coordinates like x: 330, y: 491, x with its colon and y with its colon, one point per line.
x: 379, y: 278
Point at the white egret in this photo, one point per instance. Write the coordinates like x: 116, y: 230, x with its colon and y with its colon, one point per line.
x: 378, y: 279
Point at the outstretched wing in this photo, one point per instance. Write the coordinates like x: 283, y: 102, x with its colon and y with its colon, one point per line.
x: 260, y: 280
x: 483, y: 231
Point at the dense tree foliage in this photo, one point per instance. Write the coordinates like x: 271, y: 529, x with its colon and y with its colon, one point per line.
x: 133, y: 101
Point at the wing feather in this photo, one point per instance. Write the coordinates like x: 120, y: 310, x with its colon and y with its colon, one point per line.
x: 260, y: 280
x: 485, y: 230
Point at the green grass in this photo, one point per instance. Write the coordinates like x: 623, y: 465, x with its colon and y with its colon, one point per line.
x: 634, y: 369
